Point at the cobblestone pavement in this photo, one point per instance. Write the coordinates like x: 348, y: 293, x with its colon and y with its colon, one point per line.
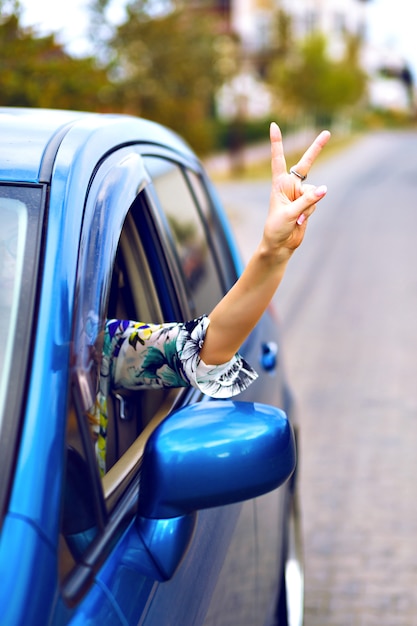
x: 352, y: 349
x: 349, y: 310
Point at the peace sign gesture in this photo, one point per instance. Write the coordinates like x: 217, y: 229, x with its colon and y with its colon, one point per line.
x: 292, y: 201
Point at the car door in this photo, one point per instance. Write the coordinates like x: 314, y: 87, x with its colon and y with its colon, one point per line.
x: 151, y: 250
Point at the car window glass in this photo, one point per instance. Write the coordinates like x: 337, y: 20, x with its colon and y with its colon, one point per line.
x: 203, y: 203
x: 214, y: 229
x: 190, y: 235
x: 13, y: 220
x: 21, y: 211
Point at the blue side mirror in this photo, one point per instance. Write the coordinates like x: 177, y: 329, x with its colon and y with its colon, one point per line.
x: 214, y: 453
x: 205, y: 455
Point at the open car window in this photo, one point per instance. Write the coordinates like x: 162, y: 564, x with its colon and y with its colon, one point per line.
x: 156, y: 263
x: 119, y: 277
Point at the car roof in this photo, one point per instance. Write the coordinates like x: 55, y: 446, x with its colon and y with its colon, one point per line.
x: 31, y: 138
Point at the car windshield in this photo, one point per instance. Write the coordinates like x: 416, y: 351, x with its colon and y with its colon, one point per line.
x: 19, y: 214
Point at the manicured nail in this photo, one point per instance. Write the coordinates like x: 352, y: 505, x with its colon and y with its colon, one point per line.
x: 301, y: 219
x: 320, y: 191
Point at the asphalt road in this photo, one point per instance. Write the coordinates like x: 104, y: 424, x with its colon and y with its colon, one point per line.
x: 348, y: 306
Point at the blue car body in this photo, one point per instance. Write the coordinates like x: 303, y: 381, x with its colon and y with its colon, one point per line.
x: 157, y: 546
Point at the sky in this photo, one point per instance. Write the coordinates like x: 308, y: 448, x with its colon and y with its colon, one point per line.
x: 68, y: 19
x: 390, y: 24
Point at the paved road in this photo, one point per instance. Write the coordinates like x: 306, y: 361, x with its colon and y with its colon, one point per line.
x: 349, y: 310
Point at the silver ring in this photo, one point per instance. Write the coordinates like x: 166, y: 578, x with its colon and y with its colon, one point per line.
x: 300, y: 176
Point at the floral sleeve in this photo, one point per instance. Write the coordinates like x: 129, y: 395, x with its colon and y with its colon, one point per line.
x: 167, y: 355
x: 137, y: 355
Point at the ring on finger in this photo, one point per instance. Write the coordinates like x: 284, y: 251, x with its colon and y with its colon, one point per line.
x: 300, y: 176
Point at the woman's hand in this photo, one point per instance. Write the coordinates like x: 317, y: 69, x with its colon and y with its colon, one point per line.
x: 292, y: 202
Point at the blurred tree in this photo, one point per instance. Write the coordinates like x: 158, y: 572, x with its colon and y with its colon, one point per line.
x: 166, y: 62
x: 36, y: 71
x: 308, y: 82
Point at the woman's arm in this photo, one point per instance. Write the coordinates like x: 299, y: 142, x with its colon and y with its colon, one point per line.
x: 291, y: 204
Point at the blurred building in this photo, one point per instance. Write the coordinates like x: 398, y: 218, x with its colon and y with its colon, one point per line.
x: 252, y: 19
x: 390, y: 85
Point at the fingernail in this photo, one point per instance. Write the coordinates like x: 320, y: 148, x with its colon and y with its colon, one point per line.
x: 320, y: 191
x: 301, y: 219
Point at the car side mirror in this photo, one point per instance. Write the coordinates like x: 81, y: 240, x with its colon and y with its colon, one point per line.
x: 205, y: 455
x: 214, y: 453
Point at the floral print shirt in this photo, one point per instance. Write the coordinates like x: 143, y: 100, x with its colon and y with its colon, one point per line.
x: 137, y: 355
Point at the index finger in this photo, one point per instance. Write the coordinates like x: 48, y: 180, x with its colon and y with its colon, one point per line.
x: 304, y: 164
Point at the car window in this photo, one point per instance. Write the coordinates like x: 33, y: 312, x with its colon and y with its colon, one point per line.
x: 189, y: 220
x: 111, y: 193
x: 162, y: 267
x: 21, y: 208
x: 14, y: 222
x: 135, y: 295
x: 135, y: 286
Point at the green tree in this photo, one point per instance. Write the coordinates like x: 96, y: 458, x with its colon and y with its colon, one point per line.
x: 37, y: 72
x: 308, y: 82
x: 166, y: 65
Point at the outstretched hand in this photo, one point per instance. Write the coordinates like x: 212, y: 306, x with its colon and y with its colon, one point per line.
x: 292, y: 201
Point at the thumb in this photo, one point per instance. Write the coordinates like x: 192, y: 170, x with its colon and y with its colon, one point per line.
x: 305, y: 205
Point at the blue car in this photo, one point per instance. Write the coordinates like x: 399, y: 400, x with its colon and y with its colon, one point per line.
x: 195, y: 521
